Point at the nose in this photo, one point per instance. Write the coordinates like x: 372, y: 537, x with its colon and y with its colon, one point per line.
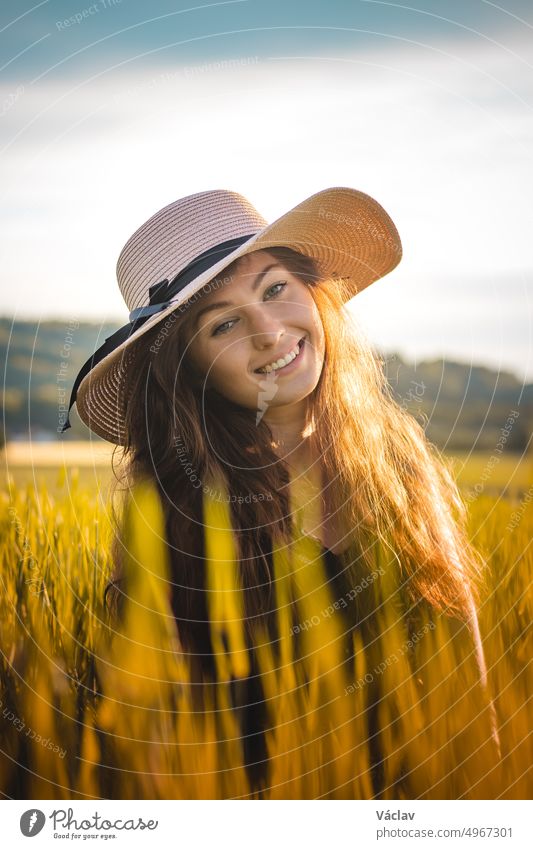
x: 265, y: 329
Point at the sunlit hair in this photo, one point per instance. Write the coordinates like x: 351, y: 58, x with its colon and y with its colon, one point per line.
x: 386, y: 481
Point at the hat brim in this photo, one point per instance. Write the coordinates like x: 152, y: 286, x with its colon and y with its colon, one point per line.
x: 345, y: 231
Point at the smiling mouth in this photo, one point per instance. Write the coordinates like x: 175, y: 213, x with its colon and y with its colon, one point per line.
x: 280, y: 368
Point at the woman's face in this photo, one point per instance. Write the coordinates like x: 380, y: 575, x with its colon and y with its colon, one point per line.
x: 259, y: 316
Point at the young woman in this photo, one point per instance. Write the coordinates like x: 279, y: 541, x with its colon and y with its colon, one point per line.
x: 243, y: 365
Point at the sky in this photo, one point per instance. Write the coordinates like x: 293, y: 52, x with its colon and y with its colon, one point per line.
x: 111, y: 110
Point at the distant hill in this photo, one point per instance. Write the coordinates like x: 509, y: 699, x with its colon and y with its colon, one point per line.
x: 464, y: 407
x: 461, y: 407
x: 34, y: 379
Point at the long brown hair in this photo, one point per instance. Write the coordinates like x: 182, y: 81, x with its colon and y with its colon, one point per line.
x: 386, y: 482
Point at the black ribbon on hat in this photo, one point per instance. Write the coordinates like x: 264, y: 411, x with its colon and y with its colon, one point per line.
x: 160, y: 297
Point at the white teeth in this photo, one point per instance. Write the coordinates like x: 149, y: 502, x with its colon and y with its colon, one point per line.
x: 283, y: 361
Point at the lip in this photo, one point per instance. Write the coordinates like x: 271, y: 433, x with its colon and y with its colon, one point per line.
x: 291, y: 366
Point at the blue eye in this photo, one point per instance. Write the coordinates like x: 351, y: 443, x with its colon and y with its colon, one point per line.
x: 274, y: 286
x: 217, y: 331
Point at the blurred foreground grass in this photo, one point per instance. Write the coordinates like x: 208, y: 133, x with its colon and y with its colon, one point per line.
x: 88, y: 711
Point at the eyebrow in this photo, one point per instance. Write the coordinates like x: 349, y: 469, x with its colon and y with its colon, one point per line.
x: 219, y: 304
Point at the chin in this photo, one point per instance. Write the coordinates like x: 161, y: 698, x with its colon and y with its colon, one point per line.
x: 291, y: 395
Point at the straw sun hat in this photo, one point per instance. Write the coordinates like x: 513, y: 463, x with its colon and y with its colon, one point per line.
x: 191, y: 241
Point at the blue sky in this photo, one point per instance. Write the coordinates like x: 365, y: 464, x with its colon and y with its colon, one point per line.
x: 117, y: 30
x: 111, y: 110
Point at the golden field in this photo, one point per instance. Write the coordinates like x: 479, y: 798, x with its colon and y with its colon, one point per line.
x: 91, y: 711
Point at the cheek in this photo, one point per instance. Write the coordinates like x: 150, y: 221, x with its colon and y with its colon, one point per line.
x: 318, y: 329
x: 194, y: 361
x: 198, y: 367
x: 224, y: 367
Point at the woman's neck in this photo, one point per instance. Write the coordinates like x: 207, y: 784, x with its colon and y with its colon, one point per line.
x: 291, y: 430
